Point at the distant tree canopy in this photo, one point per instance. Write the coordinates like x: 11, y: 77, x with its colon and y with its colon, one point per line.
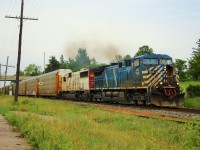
x: 194, y: 67
x: 193, y: 63
x: 81, y: 60
x: 118, y: 58
x: 54, y: 64
x: 197, y: 50
x: 144, y: 50
x: 181, y: 67
x: 94, y: 63
x: 127, y: 57
x: 63, y: 64
x: 32, y: 70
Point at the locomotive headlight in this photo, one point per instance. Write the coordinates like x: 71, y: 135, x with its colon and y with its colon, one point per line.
x: 161, y: 83
x: 177, y: 83
x: 165, y: 68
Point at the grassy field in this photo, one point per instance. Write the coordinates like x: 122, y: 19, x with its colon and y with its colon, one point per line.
x: 61, y: 125
x: 190, y: 102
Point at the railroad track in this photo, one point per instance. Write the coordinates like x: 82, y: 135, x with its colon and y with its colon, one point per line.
x: 151, y: 107
x: 184, y: 110
x: 180, y: 115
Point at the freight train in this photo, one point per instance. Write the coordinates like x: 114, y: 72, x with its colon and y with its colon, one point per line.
x: 146, y: 79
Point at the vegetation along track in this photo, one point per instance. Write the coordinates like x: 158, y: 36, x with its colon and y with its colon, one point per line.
x: 168, y: 113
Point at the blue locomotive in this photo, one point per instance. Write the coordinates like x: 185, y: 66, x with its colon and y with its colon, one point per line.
x: 147, y: 79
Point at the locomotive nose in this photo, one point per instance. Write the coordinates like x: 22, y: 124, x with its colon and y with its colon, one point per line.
x: 170, y: 76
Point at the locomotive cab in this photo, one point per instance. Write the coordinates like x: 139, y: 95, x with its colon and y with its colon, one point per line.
x: 161, y: 79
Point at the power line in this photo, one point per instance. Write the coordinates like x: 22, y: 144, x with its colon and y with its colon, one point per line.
x: 12, y: 7
x: 9, y: 5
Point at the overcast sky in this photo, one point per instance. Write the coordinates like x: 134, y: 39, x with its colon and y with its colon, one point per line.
x: 104, y: 27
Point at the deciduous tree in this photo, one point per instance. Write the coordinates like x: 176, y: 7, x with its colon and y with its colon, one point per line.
x: 181, y: 67
x: 194, y: 67
x: 63, y: 63
x: 32, y: 70
x: 127, y: 57
x: 82, y: 59
x: 116, y: 59
x: 144, y: 50
x: 194, y: 63
x: 54, y: 64
x: 197, y: 50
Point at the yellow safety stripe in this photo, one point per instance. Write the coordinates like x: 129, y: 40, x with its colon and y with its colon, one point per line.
x: 158, y: 79
x: 153, y: 76
x: 149, y: 75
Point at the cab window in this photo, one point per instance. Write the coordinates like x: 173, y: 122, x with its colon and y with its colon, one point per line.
x: 150, y: 61
x: 136, y: 63
x: 166, y: 61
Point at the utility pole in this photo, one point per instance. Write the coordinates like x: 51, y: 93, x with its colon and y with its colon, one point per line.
x: 6, y: 74
x: 5, y: 66
x: 19, y: 46
x: 5, y: 71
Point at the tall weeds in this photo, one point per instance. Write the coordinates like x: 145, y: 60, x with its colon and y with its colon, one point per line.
x: 60, y: 125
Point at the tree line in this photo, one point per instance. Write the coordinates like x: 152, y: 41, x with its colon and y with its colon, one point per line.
x: 187, y: 70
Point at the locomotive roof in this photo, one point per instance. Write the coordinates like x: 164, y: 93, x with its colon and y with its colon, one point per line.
x: 60, y: 71
x: 153, y: 56
x: 101, y: 68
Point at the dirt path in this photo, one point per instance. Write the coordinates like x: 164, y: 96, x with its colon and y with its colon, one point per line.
x: 10, y: 140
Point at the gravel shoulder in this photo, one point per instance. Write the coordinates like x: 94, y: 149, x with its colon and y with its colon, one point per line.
x: 147, y: 112
x: 10, y: 140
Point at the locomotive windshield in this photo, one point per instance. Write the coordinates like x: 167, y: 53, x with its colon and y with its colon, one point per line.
x: 166, y: 61
x: 150, y: 61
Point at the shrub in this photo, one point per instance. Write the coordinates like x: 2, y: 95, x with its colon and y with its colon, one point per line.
x: 25, y: 101
x: 193, y: 91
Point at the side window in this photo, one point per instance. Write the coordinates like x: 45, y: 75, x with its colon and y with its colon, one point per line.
x: 70, y: 75
x: 64, y: 79
x: 84, y: 74
x: 120, y: 64
x: 128, y: 63
x: 136, y: 63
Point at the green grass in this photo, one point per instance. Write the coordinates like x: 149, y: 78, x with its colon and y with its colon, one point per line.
x: 184, y: 85
x: 190, y: 102
x: 60, y: 125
